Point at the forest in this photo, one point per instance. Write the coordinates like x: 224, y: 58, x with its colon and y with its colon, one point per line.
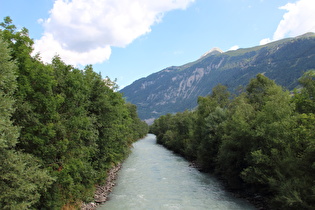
x: 261, y: 142
x: 61, y: 128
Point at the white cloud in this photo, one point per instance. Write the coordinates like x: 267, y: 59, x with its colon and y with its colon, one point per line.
x: 235, y: 47
x: 83, y: 31
x: 40, y: 20
x: 50, y: 47
x: 264, y: 41
x: 298, y: 19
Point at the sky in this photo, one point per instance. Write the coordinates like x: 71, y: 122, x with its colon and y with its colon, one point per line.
x: 130, y: 39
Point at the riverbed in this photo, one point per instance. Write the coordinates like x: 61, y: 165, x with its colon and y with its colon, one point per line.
x: 153, y: 177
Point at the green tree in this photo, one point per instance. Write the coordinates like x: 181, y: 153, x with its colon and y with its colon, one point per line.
x: 139, y: 128
x: 272, y: 139
x: 210, y: 144
x: 305, y: 100
x: 257, y: 142
x: 161, y: 126
x: 21, y: 178
x: 237, y: 141
x: 74, y: 123
x: 73, y: 140
x: 211, y: 113
x: 256, y: 90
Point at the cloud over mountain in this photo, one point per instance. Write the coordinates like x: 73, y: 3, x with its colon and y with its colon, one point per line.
x: 298, y: 19
x: 83, y: 31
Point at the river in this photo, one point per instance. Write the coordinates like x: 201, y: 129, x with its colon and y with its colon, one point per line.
x: 153, y: 177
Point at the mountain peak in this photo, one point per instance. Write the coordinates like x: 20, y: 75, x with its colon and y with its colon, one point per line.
x: 213, y: 51
x: 177, y: 88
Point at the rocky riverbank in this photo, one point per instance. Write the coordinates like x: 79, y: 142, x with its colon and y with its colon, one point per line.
x: 102, y: 191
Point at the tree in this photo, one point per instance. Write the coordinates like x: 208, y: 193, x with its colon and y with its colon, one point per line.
x: 209, y: 146
x: 21, y: 178
x: 72, y: 123
x: 272, y: 139
x: 7, y: 88
x: 257, y: 142
x: 256, y: 90
x: 305, y: 100
x: 139, y: 128
x: 211, y: 113
x: 237, y: 139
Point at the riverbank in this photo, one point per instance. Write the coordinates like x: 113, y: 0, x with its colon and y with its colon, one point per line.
x: 256, y: 199
x: 102, y: 191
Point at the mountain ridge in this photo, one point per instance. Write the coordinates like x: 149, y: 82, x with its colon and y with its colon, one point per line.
x: 177, y: 88
x: 213, y: 51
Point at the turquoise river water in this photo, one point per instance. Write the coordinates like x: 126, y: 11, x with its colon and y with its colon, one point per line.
x: 154, y: 178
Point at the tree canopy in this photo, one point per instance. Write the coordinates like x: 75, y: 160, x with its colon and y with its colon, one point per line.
x: 261, y: 141
x: 61, y: 128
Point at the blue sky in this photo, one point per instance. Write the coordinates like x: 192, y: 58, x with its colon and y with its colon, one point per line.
x: 130, y: 39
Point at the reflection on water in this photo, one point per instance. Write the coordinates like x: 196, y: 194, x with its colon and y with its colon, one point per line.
x: 155, y: 178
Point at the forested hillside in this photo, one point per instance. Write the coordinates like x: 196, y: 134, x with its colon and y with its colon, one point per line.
x: 177, y: 88
x: 61, y: 128
x: 262, y: 141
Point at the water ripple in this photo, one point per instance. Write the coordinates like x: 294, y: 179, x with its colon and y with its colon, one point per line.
x: 155, y: 178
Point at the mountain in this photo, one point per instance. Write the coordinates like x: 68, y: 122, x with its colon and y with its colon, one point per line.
x: 177, y: 88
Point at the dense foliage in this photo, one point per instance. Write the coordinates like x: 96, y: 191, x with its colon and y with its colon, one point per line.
x: 262, y: 141
x: 61, y: 128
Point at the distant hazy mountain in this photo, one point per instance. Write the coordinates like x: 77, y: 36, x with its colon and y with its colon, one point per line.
x: 177, y: 88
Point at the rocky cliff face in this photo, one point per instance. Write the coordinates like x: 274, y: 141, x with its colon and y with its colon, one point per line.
x: 177, y: 88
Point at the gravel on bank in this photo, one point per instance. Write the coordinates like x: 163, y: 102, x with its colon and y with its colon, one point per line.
x: 102, y: 191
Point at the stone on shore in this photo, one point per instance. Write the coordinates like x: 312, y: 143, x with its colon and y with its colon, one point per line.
x: 102, y: 191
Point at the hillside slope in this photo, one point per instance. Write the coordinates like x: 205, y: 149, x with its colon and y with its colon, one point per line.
x: 177, y: 88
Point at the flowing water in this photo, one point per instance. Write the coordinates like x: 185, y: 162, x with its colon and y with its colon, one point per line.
x: 153, y: 177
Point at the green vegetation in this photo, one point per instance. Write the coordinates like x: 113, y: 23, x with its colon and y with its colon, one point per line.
x: 61, y: 128
x: 176, y: 89
x: 261, y: 141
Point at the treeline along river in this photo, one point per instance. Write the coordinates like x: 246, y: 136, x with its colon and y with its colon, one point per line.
x: 153, y: 177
